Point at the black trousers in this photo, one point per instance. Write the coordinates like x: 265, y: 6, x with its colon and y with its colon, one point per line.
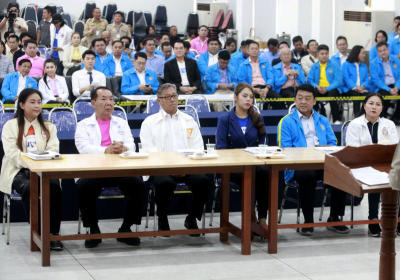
x: 336, y: 116
x: 307, y: 180
x: 21, y: 185
x: 270, y: 94
x: 132, y: 188
x: 356, y: 104
x: 373, y: 205
x: 201, y: 186
x: 390, y: 103
x: 261, y: 189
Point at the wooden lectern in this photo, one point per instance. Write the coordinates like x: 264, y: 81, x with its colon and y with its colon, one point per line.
x: 337, y: 173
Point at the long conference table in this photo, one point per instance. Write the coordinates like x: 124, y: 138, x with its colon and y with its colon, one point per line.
x: 167, y: 163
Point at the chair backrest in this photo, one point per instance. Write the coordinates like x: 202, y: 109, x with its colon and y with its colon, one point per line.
x: 152, y: 105
x: 39, y: 14
x: 67, y: 19
x: 148, y: 17
x: 64, y: 118
x: 192, y: 22
x: 82, y: 106
x: 228, y: 21
x: 219, y: 19
x: 4, y: 117
x: 191, y: 111
x: 30, y: 14
x: 291, y: 108
x: 199, y: 102
x: 110, y: 9
x: 130, y: 18
x: 79, y: 26
x: 160, y: 18
x: 89, y: 7
x: 1, y: 107
x: 343, y: 133
x: 120, y: 112
x: 140, y: 25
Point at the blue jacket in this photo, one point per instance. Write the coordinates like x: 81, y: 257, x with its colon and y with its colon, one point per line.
x: 130, y: 81
x: 333, y: 74
x: 202, y: 63
x: 155, y: 51
x: 189, y: 55
x: 108, y: 66
x: 281, y: 79
x: 245, y: 72
x: 391, y: 37
x: 349, y: 71
x: 212, y: 77
x: 336, y: 58
x: 237, y: 59
x: 230, y: 135
x: 9, y: 87
x: 98, y: 65
x: 378, y: 74
x: 291, y: 134
x: 373, y: 53
x: 394, y: 47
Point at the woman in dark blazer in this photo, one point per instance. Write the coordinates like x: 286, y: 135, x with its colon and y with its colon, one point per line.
x: 240, y: 128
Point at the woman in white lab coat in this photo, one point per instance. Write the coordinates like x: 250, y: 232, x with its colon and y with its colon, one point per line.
x: 53, y: 87
x: 369, y: 128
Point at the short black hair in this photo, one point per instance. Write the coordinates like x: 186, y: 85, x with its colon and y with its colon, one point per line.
x: 224, y: 55
x: 310, y: 41
x: 23, y: 61
x: 186, y: 45
x: 120, y: 13
x: 383, y: 32
x: 396, y: 18
x: 58, y: 18
x: 253, y: 42
x: 117, y: 41
x: 354, y: 53
x: 341, y: 38
x: 48, y: 9
x: 165, y: 44
x: 140, y: 54
x: 88, y: 52
x: 30, y: 41
x: 306, y: 87
x: 179, y: 41
x: 13, y: 36
x: 126, y: 37
x: 13, y: 4
x: 397, y: 26
x: 273, y: 42
x: 243, y: 43
x: 203, y: 26
x: 323, y: 47
x: 145, y: 40
x: 283, y: 43
x: 296, y: 39
x: 248, y: 42
x: 98, y: 40
x: 24, y: 34
x: 4, y: 47
x: 214, y: 39
x: 93, y: 92
x: 380, y: 44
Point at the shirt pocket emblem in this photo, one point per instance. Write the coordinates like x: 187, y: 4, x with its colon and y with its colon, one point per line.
x: 189, y: 131
x: 263, y: 66
x: 385, y: 132
x: 322, y: 127
x: 150, y: 78
x: 394, y: 65
x: 330, y: 71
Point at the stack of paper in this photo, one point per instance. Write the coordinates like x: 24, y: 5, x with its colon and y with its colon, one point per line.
x: 43, y: 156
x: 370, y: 176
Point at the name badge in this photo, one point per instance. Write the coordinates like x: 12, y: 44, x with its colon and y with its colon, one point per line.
x: 182, y: 70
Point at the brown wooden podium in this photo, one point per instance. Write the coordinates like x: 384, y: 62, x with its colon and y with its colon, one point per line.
x: 337, y: 174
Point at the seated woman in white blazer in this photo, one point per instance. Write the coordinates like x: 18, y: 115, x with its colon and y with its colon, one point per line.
x: 369, y: 128
x: 53, y: 87
x: 72, y: 54
x: 28, y: 131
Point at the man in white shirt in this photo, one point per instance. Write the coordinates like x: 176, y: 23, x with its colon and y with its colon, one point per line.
x: 168, y: 131
x: 104, y: 133
x: 84, y: 80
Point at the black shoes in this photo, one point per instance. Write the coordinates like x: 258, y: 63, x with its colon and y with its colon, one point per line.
x: 56, y: 245
x: 191, y: 223
x: 91, y: 243
x: 132, y: 241
x: 337, y: 229
x: 374, y: 230
x: 308, y: 231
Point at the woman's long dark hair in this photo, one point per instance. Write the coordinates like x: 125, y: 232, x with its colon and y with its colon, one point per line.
x: 23, y: 96
x: 367, y: 97
x: 49, y: 60
x: 354, y: 53
x: 255, y: 117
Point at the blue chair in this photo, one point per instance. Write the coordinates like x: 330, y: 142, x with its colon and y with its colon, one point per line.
x: 64, y: 118
x: 190, y: 110
x: 30, y: 13
x: 79, y: 26
x: 152, y: 105
x: 120, y: 112
x: 6, y: 211
x: 199, y: 102
x: 4, y: 117
x: 82, y: 106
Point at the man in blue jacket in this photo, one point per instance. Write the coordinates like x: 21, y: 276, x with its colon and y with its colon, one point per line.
x: 385, y: 75
x: 341, y: 56
x: 239, y: 57
x: 210, y: 57
x: 395, y: 44
x: 304, y: 127
x: 394, y: 35
x: 99, y: 46
x: 118, y: 63
x: 221, y: 77
x: 15, y: 82
x: 139, y: 80
x: 258, y: 73
x: 326, y: 77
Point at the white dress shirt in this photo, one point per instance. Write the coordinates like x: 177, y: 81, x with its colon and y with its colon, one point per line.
x: 118, y: 68
x: 80, y: 79
x: 162, y: 132
x: 309, y: 129
x: 48, y: 91
x: 182, y: 71
x: 212, y: 59
x: 343, y: 58
x: 21, y: 83
x: 142, y: 77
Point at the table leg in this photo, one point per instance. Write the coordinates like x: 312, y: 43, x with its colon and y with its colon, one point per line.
x: 273, y: 210
x: 45, y: 223
x: 246, y: 209
x: 34, y: 207
x: 224, y: 217
x: 387, y: 265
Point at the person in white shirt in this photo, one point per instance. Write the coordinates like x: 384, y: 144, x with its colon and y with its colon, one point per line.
x: 370, y: 129
x: 312, y: 57
x: 86, y: 79
x: 103, y: 133
x: 170, y: 130
x: 19, y: 24
x: 53, y: 87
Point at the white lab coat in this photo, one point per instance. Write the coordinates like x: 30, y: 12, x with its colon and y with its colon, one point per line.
x: 358, y: 134
x: 47, y: 91
x: 88, y: 135
x: 63, y: 37
x: 153, y: 131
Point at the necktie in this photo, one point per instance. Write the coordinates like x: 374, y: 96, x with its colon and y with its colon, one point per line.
x: 90, y: 77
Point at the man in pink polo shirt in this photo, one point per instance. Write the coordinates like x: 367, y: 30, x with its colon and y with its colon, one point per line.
x: 31, y: 54
x: 200, y: 42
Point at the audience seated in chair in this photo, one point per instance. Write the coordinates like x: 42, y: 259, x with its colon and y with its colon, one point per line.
x: 200, y: 42
x: 53, y: 87
x: 221, y: 77
x: 72, y: 54
x: 155, y: 61
x: 299, y: 50
x: 118, y: 62
x: 166, y: 49
x: 239, y: 57
x: 380, y: 36
x: 21, y: 51
x: 31, y: 55
x: 12, y: 47
x: 99, y: 47
x: 341, y: 56
x: 94, y: 27
x: 312, y: 57
x: 6, y: 65
x: 273, y: 50
x: 118, y: 29
x: 395, y: 44
x: 210, y: 57
x: 104, y: 133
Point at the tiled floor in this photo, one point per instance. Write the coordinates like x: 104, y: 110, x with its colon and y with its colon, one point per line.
x: 324, y: 256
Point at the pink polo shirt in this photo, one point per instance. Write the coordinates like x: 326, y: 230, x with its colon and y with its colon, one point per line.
x: 256, y: 76
x: 105, y: 132
x: 37, y: 65
x: 198, y: 45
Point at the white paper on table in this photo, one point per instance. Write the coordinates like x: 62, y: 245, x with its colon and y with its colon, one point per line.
x: 370, y: 176
x: 329, y: 149
x: 262, y: 150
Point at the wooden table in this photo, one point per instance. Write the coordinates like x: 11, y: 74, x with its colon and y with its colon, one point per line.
x: 168, y: 163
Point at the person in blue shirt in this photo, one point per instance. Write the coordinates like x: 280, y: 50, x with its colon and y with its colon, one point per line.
x: 166, y: 49
x: 239, y: 57
x: 155, y: 61
x: 139, y: 80
x: 210, y: 57
x: 118, y: 63
x: 273, y: 50
x: 329, y: 83
x: 385, y: 76
x: 230, y: 45
x: 380, y: 36
x: 355, y: 75
x: 15, y: 82
x: 221, y: 77
x: 393, y: 35
x: 304, y: 127
x: 394, y: 46
x: 240, y: 128
x: 99, y: 47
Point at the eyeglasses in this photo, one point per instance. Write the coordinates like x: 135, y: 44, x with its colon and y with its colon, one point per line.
x: 169, y: 97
